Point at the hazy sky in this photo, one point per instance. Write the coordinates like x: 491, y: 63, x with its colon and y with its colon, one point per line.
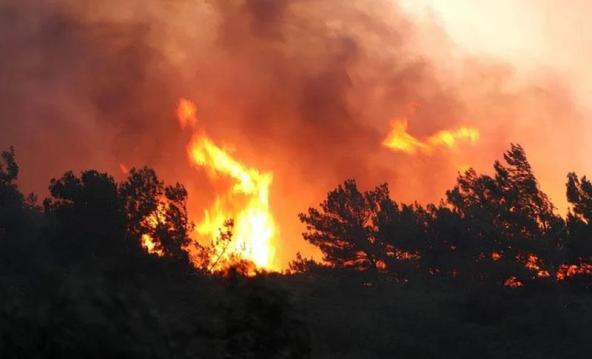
x: 537, y: 38
x: 533, y: 35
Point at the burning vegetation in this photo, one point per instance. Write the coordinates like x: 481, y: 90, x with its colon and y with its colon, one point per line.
x: 499, y: 228
x: 245, y: 203
x: 503, y: 221
x: 488, y: 251
x: 128, y: 266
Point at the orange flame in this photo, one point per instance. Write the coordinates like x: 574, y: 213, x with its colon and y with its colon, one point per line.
x: 513, y: 282
x: 398, y: 139
x: 246, y: 202
x: 566, y: 271
x: 532, y: 263
x: 146, y: 241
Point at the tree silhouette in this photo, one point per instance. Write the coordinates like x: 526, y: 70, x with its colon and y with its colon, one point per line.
x: 528, y: 214
x: 490, y: 229
x: 217, y: 250
x: 75, y: 280
x: 346, y: 226
x: 402, y: 232
x: 87, y: 220
x: 509, y: 217
x: 158, y: 211
x: 141, y: 193
x: 449, y: 251
x: 19, y: 221
x: 579, y: 219
x: 11, y: 200
x: 94, y: 219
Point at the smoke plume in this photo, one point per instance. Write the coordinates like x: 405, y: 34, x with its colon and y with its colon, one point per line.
x: 305, y: 89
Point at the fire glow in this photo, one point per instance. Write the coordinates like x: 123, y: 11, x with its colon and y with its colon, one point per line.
x: 147, y: 241
x: 399, y: 139
x: 246, y: 202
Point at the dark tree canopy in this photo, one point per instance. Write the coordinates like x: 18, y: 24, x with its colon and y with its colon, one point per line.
x: 112, y: 217
x: 508, y: 215
x: 158, y: 211
x: 75, y: 281
x: 11, y: 200
x: 19, y: 221
x: 491, y: 228
x: 92, y: 202
x: 77, y: 278
x: 346, y: 227
x: 579, y: 219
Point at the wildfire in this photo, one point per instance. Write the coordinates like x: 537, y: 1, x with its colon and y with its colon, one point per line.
x: 570, y: 270
x: 149, y: 245
x: 399, y: 139
x: 246, y: 202
x: 532, y: 263
x: 147, y: 242
x: 513, y: 282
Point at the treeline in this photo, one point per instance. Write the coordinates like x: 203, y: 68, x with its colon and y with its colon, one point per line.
x: 490, y: 230
x: 103, y: 268
x: 76, y: 281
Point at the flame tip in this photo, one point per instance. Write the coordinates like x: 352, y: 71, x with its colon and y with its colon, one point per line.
x: 399, y: 139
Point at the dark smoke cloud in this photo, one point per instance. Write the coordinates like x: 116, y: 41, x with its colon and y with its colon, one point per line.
x: 78, y: 93
x: 303, y: 88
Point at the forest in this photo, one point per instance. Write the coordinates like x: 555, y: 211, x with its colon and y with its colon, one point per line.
x: 491, y: 271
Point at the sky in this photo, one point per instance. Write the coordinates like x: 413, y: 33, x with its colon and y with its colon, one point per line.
x: 538, y: 39
x: 304, y: 89
x: 533, y: 35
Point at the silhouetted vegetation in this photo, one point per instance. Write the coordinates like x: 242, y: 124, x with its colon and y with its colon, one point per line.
x: 107, y: 269
x: 490, y: 230
x: 76, y: 282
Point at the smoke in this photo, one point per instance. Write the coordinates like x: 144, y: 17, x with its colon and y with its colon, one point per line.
x: 303, y: 88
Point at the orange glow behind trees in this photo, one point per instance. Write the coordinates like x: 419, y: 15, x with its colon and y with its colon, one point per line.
x: 147, y: 241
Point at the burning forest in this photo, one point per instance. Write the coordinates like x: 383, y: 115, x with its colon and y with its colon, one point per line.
x: 227, y: 179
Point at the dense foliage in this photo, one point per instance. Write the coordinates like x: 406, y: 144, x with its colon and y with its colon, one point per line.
x: 491, y: 271
x: 75, y: 281
x: 491, y: 230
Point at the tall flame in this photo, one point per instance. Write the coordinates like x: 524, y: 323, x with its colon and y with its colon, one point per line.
x: 398, y: 139
x: 246, y: 202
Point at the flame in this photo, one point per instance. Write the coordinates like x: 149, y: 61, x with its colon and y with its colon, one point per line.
x: 246, y: 202
x: 532, y: 263
x: 398, y: 139
x: 513, y: 282
x: 146, y: 240
x: 152, y: 221
x: 148, y: 243
x: 569, y: 270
